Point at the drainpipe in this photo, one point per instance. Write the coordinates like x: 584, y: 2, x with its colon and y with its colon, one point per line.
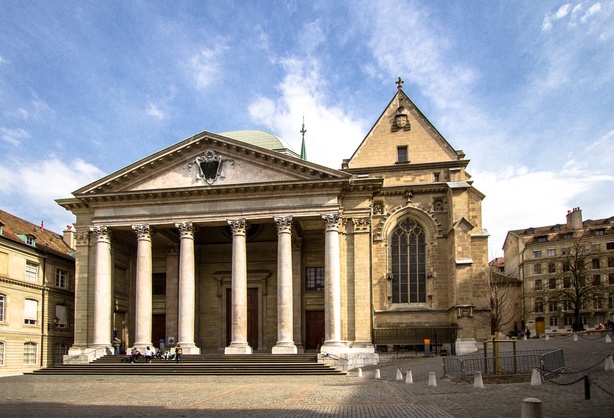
x: 43, y: 334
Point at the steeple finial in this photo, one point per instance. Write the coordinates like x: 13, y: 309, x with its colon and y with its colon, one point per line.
x: 399, y: 83
x: 303, y: 149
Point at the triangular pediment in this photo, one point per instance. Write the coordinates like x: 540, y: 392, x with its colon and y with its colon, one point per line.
x: 402, y: 125
x: 209, y: 160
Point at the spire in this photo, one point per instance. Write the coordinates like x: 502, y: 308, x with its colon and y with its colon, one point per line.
x: 303, y: 150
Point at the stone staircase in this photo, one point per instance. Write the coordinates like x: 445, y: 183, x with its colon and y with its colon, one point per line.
x: 201, y: 364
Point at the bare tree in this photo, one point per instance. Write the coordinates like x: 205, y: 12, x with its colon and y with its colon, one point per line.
x: 577, y: 283
x: 505, y: 299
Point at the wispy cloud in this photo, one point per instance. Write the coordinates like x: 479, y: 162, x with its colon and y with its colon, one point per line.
x: 154, y: 111
x: 14, y: 136
x: 205, y: 65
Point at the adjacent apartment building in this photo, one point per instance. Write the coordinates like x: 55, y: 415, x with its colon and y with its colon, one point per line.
x: 567, y: 273
x: 36, y: 295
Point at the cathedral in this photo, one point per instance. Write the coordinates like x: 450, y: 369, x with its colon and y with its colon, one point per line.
x: 233, y: 243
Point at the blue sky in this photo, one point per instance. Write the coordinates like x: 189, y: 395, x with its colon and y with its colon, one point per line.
x: 525, y: 88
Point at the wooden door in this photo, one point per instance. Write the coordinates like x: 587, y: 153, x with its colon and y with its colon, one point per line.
x: 158, y: 329
x: 540, y: 326
x: 252, y: 317
x: 314, y: 329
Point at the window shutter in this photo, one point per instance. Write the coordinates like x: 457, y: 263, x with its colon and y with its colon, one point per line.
x: 31, y: 309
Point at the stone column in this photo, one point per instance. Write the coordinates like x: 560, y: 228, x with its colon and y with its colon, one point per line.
x: 285, y: 343
x: 143, y: 308
x: 172, y: 295
x: 362, y: 283
x: 297, y: 302
x: 102, y: 288
x: 83, y: 280
x: 238, y: 340
x: 332, y: 282
x: 187, y: 289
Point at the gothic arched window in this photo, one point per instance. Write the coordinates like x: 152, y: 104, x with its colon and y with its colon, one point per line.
x: 408, y: 263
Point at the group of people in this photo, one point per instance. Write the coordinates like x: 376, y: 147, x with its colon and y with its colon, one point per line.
x: 149, y: 354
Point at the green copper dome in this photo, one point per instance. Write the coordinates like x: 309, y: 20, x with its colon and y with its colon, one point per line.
x: 262, y: 139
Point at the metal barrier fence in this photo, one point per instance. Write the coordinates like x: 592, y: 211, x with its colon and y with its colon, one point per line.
x: 505, y: 364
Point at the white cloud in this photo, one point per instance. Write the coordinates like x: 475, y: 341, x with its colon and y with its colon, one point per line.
x: 205, y: 66
x: 333, y: 132
x: 155, y: 111
x: 594, y: 9
x: 36, y: 185
x: 562, y: 12
x: 14, y: 136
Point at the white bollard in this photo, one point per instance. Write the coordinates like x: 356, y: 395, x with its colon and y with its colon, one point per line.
x: 575, y: 337
x: 608, y: 339
x: 377, y: 374
x: 477, y: 381
x: 525, y: 337
x: 536, y: 378
x: 432, y: 379
x: 547, y: 337
x: 609, y: 364
x: 399, y: 374
x: 531, y: 408
x: 409, y: 378
x: 359, y: 372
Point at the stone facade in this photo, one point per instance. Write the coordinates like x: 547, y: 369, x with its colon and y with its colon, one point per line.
x: 36, y: 295
x: 543, y: 258
x: 283, y: 255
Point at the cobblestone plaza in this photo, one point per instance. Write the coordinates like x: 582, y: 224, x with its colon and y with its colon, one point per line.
x: 314, y: 396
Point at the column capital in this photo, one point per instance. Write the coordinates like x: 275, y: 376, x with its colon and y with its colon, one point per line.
x: 238, y: 226
x: 284, y: 224
x: 142, y: 231
x: 361, y: 224
x: 102, y: 232
x: 186, y: 229
x: 332, y: 221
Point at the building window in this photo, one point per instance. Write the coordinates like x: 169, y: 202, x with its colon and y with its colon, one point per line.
x: 565, y: 305
x: 2, y: 302
x: 436, y: 177
x: 599, y: 232
x: 566, y: 282
x: 551, y: 268
x: 597, y: 280
x: 537, y: 253
x: 29, y: 353
x: 61, y: 316
x: 537, y: 269
x: 610, y: 261
x: 402, y: 154
x: 314, y: 278
x: 583, y: 320
x: 539, y: 305
x: 595, y: 263
x: 552, y: 306
x: 542, y: 239
x: 567, y: 236
x: 611, y: 302
x: 30, y: 312
x: 598, y: 303
x: 566, y: 266
x: 551, y: 252
x: 408, y: 263
x: 594, y: 248
x: 565, y: 250
x: 609, y: 245
x: 554, y: 321
x: 1, y: 353
x: 538, y: 284
x: 568, y: 321
x: 31, y: 272
x: 30, y: 240
x: 611, y: 278
x: 158, y: 284
x: 552, y: 283
x: 61, y: 277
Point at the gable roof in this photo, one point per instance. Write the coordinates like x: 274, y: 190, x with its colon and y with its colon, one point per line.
x: 418, y: 130
x: 14, y: 228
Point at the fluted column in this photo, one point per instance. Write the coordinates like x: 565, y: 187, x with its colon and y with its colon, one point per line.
x: 143, y: 287
x: 285, y: 343
x: 332, y: 282
x: 187, y: 289
x: 102, y: 288
x: 238, y: 341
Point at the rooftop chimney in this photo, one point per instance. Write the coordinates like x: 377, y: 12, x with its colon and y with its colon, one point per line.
x: 69, y: 236
x: 574, y: 218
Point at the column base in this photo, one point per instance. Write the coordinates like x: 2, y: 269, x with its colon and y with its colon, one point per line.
x: 238, y: 348
x: 188, y: 348
x: 332, y: 345
x: 141, y: 346
x: 284, y: 348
